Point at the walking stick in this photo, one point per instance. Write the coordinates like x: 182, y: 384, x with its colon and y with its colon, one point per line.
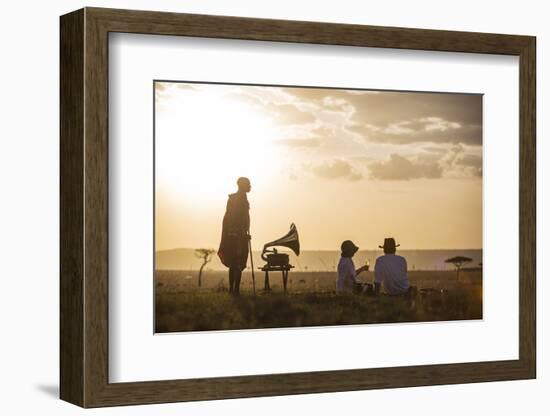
x: 252, y: 265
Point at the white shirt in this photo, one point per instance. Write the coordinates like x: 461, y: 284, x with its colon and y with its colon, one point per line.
x: 346, y: 275
x: 391, y: 271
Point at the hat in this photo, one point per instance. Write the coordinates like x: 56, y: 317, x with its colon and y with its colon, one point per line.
x: 389, y: 243
x: 348, y: 248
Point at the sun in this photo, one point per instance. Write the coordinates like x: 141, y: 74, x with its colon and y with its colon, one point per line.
x: 205, y: 140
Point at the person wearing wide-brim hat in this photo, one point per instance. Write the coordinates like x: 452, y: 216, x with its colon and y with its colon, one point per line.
x: 347, y: 274
x: 390, y: 270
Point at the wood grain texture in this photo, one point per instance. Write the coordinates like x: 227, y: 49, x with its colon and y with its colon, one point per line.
x: 96, y: 266
x: 71, y: 213
x: 162, y: 23
x: 84, y: 207
x: 527, y: 208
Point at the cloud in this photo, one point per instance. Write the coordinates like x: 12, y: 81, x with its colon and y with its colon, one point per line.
x: 400, y: 168
x: 161, y: 86
x: 395, y: 117
x: 458, y: 161
x: 184, y: 86
x: 308, y: 136
x: 290, y: 114
x: 473, y: 163
x: 470, y: 160
x: 276, y: 102
x: 424, y: 129
x: 419, y: 134
x: 332, y: 103
x: 381, y: 107
x: 335, y: 169
x: 362, y: 92
x: 434, y: 149
x: 299, y: 143
x: 325, y: 131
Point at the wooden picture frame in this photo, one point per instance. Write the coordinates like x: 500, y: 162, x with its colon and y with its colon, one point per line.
x: 84, y: 207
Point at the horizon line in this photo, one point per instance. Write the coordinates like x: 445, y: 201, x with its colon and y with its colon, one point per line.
x: 330, y: 249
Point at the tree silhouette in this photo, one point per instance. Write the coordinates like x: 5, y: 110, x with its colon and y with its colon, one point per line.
x: 458, y: 262
x: 206, y: 255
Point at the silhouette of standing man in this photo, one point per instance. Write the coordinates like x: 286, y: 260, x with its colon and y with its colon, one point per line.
x: 233, y: 251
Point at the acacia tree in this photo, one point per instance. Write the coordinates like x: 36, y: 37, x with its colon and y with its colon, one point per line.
x: 458, y: 262
x: 206, y: 255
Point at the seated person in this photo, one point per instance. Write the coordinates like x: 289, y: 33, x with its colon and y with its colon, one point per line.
x: 347, y: 275
x: 391, y: 271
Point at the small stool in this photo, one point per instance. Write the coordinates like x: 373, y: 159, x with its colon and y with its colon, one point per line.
x: 284, y: 269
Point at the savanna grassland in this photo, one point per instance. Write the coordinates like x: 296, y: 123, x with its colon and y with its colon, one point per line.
x: 181, y: 305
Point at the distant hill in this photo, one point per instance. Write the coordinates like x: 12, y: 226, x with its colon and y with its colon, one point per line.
x: 321, y: 260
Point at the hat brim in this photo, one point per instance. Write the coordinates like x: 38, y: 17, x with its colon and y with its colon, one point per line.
x: 352, y: 250
x: 397, y: 245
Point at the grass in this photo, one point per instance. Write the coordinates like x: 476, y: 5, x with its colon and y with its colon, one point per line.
x: 181, y: 306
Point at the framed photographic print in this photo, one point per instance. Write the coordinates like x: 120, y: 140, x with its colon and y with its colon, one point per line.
x: 255, y: 207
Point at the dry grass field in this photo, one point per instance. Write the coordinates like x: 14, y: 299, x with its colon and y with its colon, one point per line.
x: 311, y: 301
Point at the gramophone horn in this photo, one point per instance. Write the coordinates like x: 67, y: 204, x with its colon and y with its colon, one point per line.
x: 290, y: 240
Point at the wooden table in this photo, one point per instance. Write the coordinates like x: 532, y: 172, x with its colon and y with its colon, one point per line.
x: 284, y: 271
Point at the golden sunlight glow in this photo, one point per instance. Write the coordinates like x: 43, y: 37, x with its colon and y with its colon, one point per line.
x: 338, y: 165
x: 201, y: 156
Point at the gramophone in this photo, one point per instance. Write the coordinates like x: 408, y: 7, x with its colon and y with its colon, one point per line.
x: 280, y: 260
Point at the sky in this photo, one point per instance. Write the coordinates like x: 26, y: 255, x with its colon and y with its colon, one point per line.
x: 339, y: 163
